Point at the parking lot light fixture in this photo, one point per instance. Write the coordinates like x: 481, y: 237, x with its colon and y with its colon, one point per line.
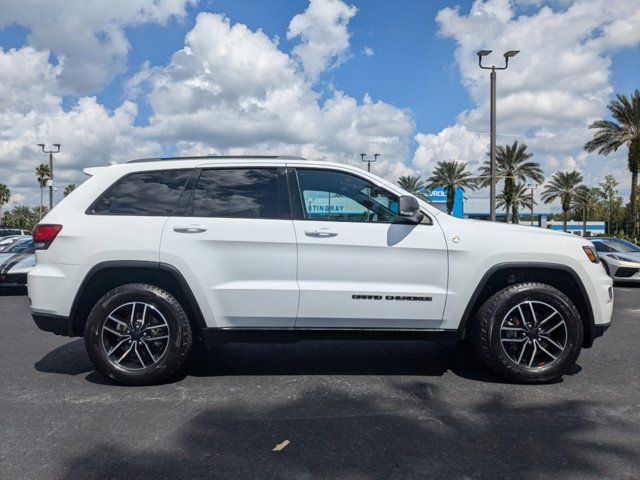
x: 492, y: 148
x: 50, y: 152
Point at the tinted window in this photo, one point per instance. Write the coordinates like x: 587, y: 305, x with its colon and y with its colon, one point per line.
x: 337, y: 196
x: 144, y: 193
x: 236, y: 193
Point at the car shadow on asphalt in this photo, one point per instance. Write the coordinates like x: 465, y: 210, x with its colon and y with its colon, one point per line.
x: 327, y: 433
x: 381, y: 358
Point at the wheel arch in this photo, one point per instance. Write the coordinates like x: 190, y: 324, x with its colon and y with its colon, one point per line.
x: 108, y: 275
x: 562, y: 277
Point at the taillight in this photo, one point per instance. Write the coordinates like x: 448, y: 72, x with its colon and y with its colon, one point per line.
x: 44, y: 234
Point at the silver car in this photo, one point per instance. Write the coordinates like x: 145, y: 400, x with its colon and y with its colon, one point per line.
x: 16, y: 260
x: 621, y: 259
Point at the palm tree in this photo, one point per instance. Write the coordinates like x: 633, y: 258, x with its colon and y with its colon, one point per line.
x: 69, y: 188
x: 609, y: 192
x: 562, y: 186
x: 584, y: 201
x: 43, y: 174
x: 520, y: 198
x: 5, y: 195
x: 21, y: 215
x: 624, y: 129
x: 450, y: 175
x: 410, y: 183
x: 512, y: 164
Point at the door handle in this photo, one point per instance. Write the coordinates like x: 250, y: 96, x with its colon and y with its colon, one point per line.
x: 321, y: 232
x: 189, y: 229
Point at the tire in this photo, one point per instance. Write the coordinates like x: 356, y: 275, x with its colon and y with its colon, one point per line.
x: 151, y: 358
x: 514, y: 347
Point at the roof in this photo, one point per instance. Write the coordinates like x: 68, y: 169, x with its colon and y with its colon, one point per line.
x: 217, y: 157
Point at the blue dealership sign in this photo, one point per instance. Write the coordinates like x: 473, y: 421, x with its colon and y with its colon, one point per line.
x: 438, y: 198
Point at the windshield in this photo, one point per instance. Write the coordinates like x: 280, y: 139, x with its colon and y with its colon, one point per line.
x: 25, y: 246
x: 615, y: 245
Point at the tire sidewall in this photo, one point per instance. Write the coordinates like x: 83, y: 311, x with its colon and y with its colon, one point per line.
x: 137, y: 293
x: 549, y: 295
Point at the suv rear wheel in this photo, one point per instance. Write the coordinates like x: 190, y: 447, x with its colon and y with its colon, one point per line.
x: 528, y: 333
x: 138, y: 334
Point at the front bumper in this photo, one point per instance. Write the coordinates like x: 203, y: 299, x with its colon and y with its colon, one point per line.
x: 56, y: 324
x: 600, y: 329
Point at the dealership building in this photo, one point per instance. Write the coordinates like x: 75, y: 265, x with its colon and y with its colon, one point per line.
x: 477, y: 209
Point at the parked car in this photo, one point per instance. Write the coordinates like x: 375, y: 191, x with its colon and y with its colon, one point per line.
x: 5, y: 232
x: 148, y: 257
x: 6, y: 242
x: 16, y: 260
x: 621, y: 259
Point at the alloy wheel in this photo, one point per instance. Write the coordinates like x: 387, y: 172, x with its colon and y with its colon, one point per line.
x: 135, y: 336
x: 533, y: 334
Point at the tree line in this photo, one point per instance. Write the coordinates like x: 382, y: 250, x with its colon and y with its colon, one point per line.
x: 21, y: 216
x: 514, y: 168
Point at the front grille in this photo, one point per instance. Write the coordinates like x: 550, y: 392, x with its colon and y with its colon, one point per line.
x: 626, y: 272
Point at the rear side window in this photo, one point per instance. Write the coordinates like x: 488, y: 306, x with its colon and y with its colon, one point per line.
x: 144, y: 193
x: 237, y: 193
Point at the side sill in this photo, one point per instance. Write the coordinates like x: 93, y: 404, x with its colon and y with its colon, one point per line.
x: 215, y: 336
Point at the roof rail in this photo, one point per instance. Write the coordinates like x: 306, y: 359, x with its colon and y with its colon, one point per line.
x: 217, y: 157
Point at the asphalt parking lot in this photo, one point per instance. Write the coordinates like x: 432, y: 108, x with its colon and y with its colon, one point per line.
x: 352, y: 410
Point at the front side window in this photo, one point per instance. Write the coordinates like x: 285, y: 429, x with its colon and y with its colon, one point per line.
x: 338, y: 196
x: 144, y: 193
x: 236, y: 193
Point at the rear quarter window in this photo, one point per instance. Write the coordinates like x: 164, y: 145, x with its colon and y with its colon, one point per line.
x: 153, y: 193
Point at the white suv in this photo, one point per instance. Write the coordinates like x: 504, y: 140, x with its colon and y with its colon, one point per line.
x: 148, y: 257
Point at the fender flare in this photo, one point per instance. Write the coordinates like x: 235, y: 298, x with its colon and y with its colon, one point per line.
x: 141, y: 265
x: 590, y: 334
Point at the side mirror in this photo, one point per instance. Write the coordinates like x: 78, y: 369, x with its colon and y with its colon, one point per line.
x: 409, y: 209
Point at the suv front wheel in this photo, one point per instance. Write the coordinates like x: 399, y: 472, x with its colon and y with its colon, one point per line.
x: 528, y: 333
x: 138, y: 334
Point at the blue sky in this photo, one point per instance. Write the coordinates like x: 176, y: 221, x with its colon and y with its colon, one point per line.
x: 412, y: 67
x: 167, y: 79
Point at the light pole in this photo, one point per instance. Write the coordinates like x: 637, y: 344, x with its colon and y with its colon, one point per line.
x: 369, y: 162
x: 492, y: 148
x: 50, y: 152
x: 532, y: 187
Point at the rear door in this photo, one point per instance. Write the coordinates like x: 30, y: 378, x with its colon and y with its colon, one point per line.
x: 359, y: 264
x: 235, y: 245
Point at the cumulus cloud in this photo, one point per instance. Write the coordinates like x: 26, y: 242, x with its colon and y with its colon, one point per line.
x: 552, y: 90
x: 88, y: 37
x: 30, y: 113
x: 232, y: 90
x: 323, y: 34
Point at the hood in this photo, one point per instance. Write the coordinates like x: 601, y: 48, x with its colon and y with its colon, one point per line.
x: 17, y: 262
x: 625, y: 256
x: 511, y: 228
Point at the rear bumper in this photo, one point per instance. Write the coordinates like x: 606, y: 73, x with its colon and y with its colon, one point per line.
x: 53, y: 323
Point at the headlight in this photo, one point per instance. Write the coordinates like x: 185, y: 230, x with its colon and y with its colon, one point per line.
x: 591, y: 253
x: 615, y: 257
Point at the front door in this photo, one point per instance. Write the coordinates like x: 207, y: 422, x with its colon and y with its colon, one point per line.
x: 359, y: 264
